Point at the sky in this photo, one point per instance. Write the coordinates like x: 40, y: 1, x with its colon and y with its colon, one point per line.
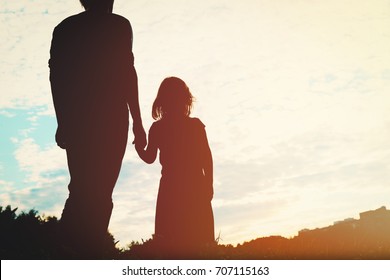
x: 295, y: 96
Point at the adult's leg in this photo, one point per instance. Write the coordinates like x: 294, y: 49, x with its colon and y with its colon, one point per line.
x: 94, y: 168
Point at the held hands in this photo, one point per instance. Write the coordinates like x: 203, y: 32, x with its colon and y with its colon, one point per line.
x: 149, y: 153
x: 140, y: 143
x: 139, y: 137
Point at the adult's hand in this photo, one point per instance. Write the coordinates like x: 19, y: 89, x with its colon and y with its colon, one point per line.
x: 60, y: 137
x: 139, y: 136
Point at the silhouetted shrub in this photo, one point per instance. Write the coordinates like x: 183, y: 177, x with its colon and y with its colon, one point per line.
x: 30, y: 236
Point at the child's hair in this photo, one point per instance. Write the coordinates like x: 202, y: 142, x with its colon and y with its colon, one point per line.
x: 173, y: 96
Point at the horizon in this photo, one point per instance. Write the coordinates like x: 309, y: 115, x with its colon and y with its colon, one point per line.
x: 30, y: 237
x: 294, y: 97
x: 302, y: 230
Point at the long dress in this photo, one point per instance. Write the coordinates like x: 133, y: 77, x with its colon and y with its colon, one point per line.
x: 184, y: 216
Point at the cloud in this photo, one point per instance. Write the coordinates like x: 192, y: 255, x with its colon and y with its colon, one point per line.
x: 46, y: 177
x: 27, y: 28
x: 6, y: 186
x: 134, y: 200
x: 37, y: 162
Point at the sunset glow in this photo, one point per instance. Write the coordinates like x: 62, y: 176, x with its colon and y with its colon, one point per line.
x: 294, y: 96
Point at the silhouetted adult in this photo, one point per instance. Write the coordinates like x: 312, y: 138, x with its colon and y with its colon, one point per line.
x: 94, y: 83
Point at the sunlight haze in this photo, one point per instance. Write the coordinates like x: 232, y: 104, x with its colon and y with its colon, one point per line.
x: 294, y: 96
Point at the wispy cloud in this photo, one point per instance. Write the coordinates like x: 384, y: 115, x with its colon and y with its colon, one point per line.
x: 46, y: 177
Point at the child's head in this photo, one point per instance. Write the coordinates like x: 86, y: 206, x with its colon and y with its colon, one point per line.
x: 173, y: 99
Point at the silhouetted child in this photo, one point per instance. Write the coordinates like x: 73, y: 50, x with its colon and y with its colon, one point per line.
x: 184, y: 218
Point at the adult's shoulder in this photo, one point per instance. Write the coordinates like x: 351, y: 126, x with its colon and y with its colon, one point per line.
x: 69, y: 21
x: 120, y: 18
x: 120, y: 23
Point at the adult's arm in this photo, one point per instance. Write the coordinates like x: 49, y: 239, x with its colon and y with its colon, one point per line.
x: 133, y: 99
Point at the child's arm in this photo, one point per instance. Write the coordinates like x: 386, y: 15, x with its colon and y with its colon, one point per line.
x: 149, y: 155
